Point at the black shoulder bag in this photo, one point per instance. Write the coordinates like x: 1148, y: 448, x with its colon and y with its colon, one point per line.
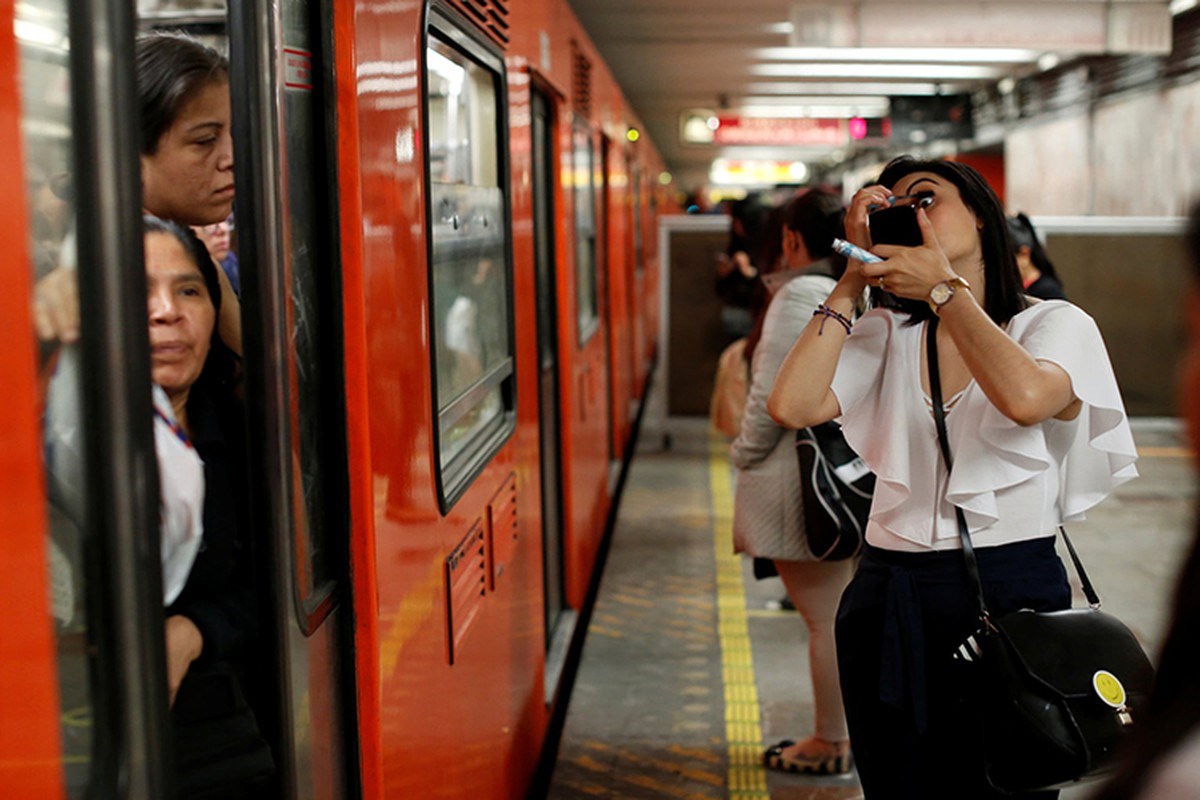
x: 1053, y: 693
x: 836, y: 487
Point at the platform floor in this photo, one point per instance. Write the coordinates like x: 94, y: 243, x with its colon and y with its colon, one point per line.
x: 686, y: 673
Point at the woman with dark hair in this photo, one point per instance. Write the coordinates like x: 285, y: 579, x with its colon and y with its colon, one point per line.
x: 1038, y: 435
x: 1163, y: 760
x: 1038, y: 275
x: 187, y: 142
x: 768, y: 520
x: 219, y: 751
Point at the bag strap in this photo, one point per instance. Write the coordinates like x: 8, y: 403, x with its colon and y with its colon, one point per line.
x: 968, y: 548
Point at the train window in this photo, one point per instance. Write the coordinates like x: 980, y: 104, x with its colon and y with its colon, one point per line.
x: 470, y: 283
x: 583, y: 180
x: 315, y: 379
x: 47, y: 132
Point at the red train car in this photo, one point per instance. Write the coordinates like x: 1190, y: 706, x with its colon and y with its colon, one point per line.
x: 446, y: 224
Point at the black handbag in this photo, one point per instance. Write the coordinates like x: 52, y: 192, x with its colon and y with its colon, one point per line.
x: 836, y: 487
x: 1053, y: 693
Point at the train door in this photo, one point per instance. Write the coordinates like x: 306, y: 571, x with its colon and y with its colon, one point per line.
x: 84, y: 686
x: 560, y: 619
x: 605, y: 263
x: 284, y: 126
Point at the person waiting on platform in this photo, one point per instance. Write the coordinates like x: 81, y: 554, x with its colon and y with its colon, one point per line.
x: 1163, y: 759
x: 768, y: 518
x: 1038, y: 435
x: 1038, y: 275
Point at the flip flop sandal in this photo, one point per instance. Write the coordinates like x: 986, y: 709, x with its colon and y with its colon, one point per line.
x: 773, y: 758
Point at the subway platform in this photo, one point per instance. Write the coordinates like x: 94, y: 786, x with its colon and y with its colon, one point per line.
x: 687, y: 673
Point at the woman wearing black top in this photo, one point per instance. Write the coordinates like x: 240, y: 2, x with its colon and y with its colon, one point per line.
x: 1038, y: 275
x: 219, y: 751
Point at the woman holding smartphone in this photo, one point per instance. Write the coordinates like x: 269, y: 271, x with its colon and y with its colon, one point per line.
x: 1038, y: 434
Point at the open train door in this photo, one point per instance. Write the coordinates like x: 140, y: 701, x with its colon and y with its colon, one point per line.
x: 285, y: 125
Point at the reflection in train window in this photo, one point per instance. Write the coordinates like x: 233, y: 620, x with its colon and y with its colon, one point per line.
x: 41, y: 31
x: 583, y: 179
x: 315, y: 379
x: 470, y: 284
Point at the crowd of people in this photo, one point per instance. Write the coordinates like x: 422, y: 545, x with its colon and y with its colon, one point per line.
x: 1039, y: 435
x: 194, y: 331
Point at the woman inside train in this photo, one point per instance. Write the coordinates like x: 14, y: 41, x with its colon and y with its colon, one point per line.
x: 219, y: 751
x: 187, y: 142
x: 1037, y: 433
x: 768, y: 519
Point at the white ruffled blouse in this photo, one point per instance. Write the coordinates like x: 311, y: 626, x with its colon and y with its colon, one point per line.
x: 1013, y: 482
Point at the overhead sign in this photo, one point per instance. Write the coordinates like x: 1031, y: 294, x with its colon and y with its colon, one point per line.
x: 703, y: 127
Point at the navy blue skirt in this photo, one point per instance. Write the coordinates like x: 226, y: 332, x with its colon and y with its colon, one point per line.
x: 899, y: 622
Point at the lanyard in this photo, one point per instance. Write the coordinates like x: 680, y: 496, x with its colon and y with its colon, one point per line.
x: 175, y: 428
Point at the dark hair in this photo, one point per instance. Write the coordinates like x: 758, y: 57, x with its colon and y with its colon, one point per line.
x: 1004, y: 296
x: 171, y: 68
x: 1023, y: 235
x: 819, y: 217
x: 221, y: 367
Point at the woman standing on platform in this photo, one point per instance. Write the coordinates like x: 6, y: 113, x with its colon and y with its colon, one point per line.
x: 768, y: 519
x: 1037, y: 431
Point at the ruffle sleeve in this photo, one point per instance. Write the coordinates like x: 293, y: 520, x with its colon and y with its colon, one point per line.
x: 1094, y: 453
x: 870, y: 386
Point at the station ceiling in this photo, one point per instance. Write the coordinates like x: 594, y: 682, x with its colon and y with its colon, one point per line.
x: 837, y: 59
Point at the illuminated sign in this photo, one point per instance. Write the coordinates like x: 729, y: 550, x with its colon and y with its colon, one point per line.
x: 730, y: 130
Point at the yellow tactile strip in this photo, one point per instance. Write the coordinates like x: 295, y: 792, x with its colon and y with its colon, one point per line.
x: 743, y: 730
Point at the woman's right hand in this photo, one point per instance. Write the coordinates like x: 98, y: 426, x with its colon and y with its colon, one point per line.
x: 184, y: 645
x: 857, y: 231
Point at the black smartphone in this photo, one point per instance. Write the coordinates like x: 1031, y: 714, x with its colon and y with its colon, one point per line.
x: 897, y: 223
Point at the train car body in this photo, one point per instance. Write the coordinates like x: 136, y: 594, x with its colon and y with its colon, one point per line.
x: 449, y: 300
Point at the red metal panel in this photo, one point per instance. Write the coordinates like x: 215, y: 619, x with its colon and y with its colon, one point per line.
x: 466, y: 586
x: 30, y: 754
x: 502, y: 531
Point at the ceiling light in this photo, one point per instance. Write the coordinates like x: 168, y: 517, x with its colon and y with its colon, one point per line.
x: 1048, y: 62
x: 1006, y: 85
x: 920, y: 55
x: 1180, y: 6
x: 929, y: 72
x: 848, y: 88
x: 818, y: 109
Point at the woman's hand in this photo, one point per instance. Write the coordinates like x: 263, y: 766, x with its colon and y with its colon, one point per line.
x: 56, y: 306
x: 184, y: 645
x: 911, y: 272
x: 864, y: 201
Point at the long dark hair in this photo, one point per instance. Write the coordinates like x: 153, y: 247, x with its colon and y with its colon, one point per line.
x: 171, y: 68
x: 1174, y: 709
x: 1023, y: 234
x: 220, y: 371
x: 1004, y: 296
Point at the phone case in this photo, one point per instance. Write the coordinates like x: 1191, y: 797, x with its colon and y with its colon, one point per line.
x: 895, y: 225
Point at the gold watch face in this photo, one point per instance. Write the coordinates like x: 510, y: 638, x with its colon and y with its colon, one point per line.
x: 940, y: 293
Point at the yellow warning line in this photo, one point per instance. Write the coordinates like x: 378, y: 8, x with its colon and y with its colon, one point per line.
x: 743, y: 729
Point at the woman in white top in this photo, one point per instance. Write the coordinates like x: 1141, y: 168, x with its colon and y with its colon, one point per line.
x: 1038, y: 434
x: 768, y: 519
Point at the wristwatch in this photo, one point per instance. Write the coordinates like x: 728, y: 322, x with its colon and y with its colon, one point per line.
x: 941, y: 293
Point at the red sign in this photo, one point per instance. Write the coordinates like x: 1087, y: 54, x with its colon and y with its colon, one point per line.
x: 297, y: 69
x: 779, y: 131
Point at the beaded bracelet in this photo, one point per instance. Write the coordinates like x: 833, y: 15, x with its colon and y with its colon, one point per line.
x: 828, y: 313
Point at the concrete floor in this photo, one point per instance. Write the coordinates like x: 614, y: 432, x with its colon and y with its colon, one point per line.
x: 686, y: 674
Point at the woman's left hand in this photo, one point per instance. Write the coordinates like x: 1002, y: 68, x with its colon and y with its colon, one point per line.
x: 911, y: 271
x: 184, y: 645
